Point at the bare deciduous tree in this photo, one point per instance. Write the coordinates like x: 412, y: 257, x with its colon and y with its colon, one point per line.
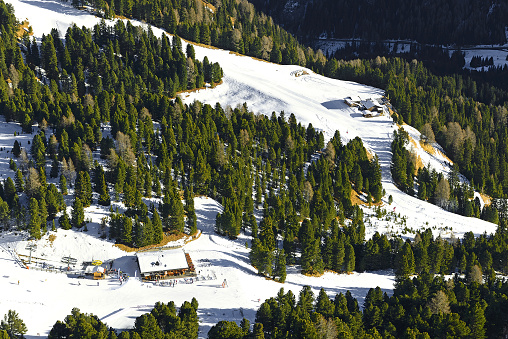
x: 308, y: 192
x: 124, y: 148
x: 439, y: 303
x: 191, y: 74
x: 23, y: 161
x: 428, y: 133
x: 86, y: 157
x: 112, y: 158
x: 442, y: 193
x: 33, y: 183
x: 266, y: 47
x: 68, y: 170
x: 144, y: 113
x: 455, y: 137
x: 14, y: 76
x: 326, y: 328
x: 88, y: 100
x: 330, y: 152
x: 68, y: 120
x: 53, y: 144
x: 244, y: 138
x: 475, y: 275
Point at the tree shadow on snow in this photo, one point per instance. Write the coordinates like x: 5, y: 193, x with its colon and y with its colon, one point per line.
x: 211, y: 316
x: 334, y: 104
x: 57, y: 7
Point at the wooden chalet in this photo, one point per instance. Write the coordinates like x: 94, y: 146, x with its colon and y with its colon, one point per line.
x: 353, y: 101
x: 165, y: 264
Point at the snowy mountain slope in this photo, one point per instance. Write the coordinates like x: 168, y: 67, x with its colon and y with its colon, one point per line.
x: 266, y: 88
x: 319, y: 100
x: 52, y: 296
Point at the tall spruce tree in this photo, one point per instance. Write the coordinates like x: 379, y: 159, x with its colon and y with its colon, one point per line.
x: 64, y: 221
x: 280, y: 266
x: 157, y: 228
x: 405, y: 261
x: 77, y: 214
x: 34, y: 226
x: 190, y: 211
x: 101, y: 187
x: 349, y: 258
x: 176, y: 211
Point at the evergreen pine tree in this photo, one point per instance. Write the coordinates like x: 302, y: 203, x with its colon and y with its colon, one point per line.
x: 34, y: 225
x: 9, y: 191
x: 190, y: 211
x: 157, y: 228
x: 13, y: 325
x: 63, y: 184
x: 139, y: 238
x: 255, y: 253
x: 176, y: 211
x: 81, y: 189
x: 245, y: 325
x: 338, y: 255
x: 405, y: 261
x: 477, y: 321
x: 311, y: 261
x: 258, y: 332
x: 126, y: 230
x: 280, y: 267
x: 77, y: 214
x: 43, y: 213
x: 64, y: 221
x: 20, y: 183
x: 266, y: 236
x: 101, y: 187
x: 349, y: 258
x: 54, y: 168
x: 16, y: 149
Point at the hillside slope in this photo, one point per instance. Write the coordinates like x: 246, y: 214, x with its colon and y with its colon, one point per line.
x: 266, y: 88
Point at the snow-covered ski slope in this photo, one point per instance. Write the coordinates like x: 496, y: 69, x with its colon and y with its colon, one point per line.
x: 43, y: 298
x: 312, y: 98
x: 268, y: 87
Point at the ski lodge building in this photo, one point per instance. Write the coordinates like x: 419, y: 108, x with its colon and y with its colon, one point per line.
x: 165, y: 264
x: 369, y: 107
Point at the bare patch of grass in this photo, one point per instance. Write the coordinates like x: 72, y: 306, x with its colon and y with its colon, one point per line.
x: 356, y: 200
x: 444, y: 156
x: 258, y: 59
x: 370, y: 156
x: 209, y: 6
x: 51, y: 238
x: 427, y: 147
x: 168, y: 237
x: 486, y: 199
x: 23, y: 28
x: 315, y: 274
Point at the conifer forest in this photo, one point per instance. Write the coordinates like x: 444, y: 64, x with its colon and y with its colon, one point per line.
x: 115, y: 91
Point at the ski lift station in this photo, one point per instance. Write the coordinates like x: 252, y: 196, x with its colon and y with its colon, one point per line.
x: 165, y: 264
